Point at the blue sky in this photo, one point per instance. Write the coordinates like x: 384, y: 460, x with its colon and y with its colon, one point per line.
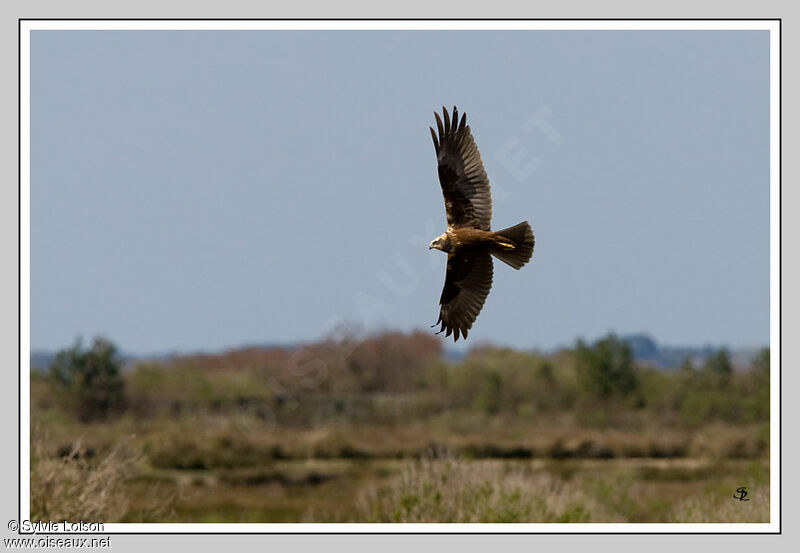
x: 203, y: 190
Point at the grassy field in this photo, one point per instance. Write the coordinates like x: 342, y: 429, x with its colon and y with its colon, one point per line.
x: 385, y: 431
x: 439, y: 487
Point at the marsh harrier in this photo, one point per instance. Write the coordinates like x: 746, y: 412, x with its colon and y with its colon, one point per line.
x: 469, y: 241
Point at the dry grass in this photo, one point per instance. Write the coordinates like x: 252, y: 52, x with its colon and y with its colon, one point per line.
x: 458, y: 490
x: 77, y: 484
x: 453, y: 490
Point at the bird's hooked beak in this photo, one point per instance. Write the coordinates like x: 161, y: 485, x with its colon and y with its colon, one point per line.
x: 432, y: 245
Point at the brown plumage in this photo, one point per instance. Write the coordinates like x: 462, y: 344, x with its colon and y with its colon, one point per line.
x: 469, y: 241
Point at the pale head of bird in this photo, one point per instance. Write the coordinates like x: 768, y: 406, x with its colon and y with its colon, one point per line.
x: 440, y: 243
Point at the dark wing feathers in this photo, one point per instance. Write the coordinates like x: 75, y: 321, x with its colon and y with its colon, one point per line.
x: 468, y: 281
x: 435, y: 140
x: 467, y: 196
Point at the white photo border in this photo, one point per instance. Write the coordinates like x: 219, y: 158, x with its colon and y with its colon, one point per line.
x: 26, y: 26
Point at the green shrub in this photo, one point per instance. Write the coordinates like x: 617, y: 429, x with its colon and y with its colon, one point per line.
x: 715, y: 392
x: 760, y: 363
x: 606, y: 368
x: 756, y: 389
x: 719, y: 367
x: 90, y: 379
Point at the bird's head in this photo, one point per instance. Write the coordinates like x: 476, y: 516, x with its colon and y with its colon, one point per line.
x: 441, y: 243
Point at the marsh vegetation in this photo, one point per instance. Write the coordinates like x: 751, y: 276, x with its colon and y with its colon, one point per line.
x: 384, y: 429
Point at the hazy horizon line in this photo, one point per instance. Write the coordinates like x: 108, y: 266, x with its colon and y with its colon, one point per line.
x: 447, y: 345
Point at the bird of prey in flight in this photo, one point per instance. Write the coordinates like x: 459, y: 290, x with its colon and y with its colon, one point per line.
x: 469, y: 241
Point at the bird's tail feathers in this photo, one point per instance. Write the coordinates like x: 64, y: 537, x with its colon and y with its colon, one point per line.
x: 514, y: 245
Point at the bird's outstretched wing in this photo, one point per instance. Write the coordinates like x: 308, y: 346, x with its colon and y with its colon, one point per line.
x: 468, y: 281
x: 467, y: 196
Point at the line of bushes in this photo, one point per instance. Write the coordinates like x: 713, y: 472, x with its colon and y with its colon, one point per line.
x: 397, y: 377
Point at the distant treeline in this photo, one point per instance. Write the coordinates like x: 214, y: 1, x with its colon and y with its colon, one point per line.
x: 645, y: 350
x: 395, y: 377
